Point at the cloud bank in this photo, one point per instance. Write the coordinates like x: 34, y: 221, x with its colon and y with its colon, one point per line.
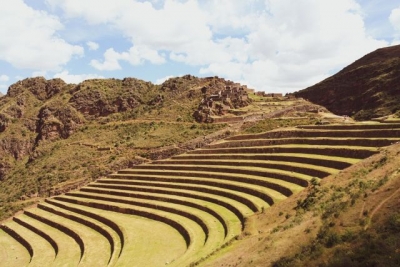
x: 271, y: 45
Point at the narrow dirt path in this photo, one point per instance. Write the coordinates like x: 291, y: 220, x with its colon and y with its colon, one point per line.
x: 377, y: 208
x: 362, y: 211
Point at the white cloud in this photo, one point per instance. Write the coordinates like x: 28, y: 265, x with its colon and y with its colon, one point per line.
x: 163, y: 79
x: 179, y: 27
x: 394, y: 19
x: 92, y: 45
x: 29, y: 38
x: 4, y: 78
x: 76, y: 78
x: 136, y: 55
x: 3, y: 89
x: 395, y: 42
x: 110, y: 62
x: 297, y: 44
x: 232, y: 17
x: 280, y: 44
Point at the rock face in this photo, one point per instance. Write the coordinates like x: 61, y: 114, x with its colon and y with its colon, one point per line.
x: 57, y: 121
x: 97, y: 98
x: 41, y: 88
x: 16, y: 147
x: 368, y: 88
x: 4, y: 120
x: 36, y: 111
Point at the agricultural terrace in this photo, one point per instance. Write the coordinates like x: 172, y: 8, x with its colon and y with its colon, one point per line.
x: 181, y: 210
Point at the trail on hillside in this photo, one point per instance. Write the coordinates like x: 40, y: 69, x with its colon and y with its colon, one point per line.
x: 377, y: 208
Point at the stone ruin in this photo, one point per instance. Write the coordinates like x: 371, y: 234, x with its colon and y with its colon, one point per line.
x: 263, y: 94
x: 219, y: 99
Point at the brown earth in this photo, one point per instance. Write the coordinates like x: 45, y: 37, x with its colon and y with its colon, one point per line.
x: 368, y: 88
x: 285, y: 235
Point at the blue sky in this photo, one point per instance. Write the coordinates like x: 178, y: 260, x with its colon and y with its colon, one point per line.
x: 270, y: 45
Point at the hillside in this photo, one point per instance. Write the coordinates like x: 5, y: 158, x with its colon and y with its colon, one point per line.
x: 348, y: 219
x: 56, y: 136
x: 368, y: 88
x: 297, y: 196
x: 118, y: 173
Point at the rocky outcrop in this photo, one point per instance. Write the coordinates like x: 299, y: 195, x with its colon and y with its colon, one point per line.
x: 104, y: 97
x: 41, y: 88
x: 16, y: 147
x: 57, y: 121
x: 4, y: 121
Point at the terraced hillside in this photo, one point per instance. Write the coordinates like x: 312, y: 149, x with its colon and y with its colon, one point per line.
x: 178, y: 211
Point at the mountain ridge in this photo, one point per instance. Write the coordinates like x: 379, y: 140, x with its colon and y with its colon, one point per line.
x: 365, y: 89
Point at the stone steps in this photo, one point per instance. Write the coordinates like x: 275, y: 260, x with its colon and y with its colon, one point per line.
x: 367, y: 126
x: 110, y: 230
x: 193, y: 233
x: 12, y: 253
x: 302, y: 168
x: 238, y: 208
x: 254, y: 201
x: 343, y: 141
x: 68, y: 251
x: 42, y: 251
x: 230, y: 222
x: 307, y: 133
x: 337, y: 151
x: 94, y: 247
x: 315, y: 160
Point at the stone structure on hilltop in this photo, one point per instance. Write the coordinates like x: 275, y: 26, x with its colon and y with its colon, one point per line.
x: 219, y: 98
x: 278, y: 95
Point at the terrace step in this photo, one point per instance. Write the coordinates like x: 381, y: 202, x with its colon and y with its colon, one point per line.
x: 12, y: 253
x: 316, y: 160
x: 86, y: 221
x: 191, y: 231
x: 303, y: 168
x: 231, y: 223
x: 135, y: 232
x: 206, y: 220
x: 95, y: 249
x: 343, y: 141
x: 43, y: 252
x: 68, y: 251
x: 365, y: 126
x: 37, y: 231
x: 239, y: 209
x: 158, y: 183
x: 110, y: 230
x: 267, y: 189
x: 337, y: 151
x: 213, y: 225
x: 277, y: 180
x: 299, y: 133
x: 138, y: 211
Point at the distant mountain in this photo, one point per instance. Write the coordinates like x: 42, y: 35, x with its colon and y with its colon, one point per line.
x: 1, y: 94
x: 368, y: 88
